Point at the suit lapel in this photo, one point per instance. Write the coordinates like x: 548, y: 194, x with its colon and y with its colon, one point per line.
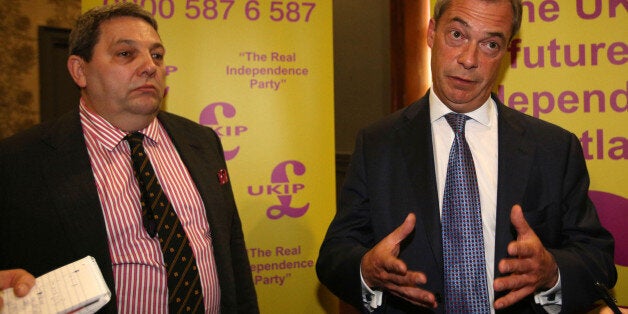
x: 194, y: 154
x: 415, y: 139
x: 516, y: 153
x: 66, y: 171
x: 197, y: 151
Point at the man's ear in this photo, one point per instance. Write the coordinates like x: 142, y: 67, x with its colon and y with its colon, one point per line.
x: 76, y: 67
x: 431, y: 30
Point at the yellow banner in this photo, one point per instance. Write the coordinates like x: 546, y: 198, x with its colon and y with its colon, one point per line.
x: 260, y: 73
x: 569, y: 66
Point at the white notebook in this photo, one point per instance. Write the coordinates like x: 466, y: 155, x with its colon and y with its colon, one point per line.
x: 78, y: 287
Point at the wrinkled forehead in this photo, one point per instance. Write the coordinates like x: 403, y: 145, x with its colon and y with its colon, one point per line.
x: 492, y: 18
x: 128, y: 30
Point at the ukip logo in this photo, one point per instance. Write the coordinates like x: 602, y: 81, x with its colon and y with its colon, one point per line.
x: 209, y: 117
x: 284, y: 189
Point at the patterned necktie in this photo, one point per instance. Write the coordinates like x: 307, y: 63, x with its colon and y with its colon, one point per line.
x: 159, y: 218
x: 463, y: 244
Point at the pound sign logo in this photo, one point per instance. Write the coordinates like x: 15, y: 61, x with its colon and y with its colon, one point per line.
x: 209, y: 117
x: 285, y: 190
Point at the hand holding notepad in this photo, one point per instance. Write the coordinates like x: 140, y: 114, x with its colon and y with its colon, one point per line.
x: 78, y: 287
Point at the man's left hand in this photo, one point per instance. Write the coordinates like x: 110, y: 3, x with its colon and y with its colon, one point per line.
x: 531, y: 267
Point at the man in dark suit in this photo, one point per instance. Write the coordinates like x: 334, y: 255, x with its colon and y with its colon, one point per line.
x: 542, y: 246
x: 65, y: 193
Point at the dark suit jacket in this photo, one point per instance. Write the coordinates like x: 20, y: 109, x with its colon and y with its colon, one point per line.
x: 391, y: 174
x: 50, y: 213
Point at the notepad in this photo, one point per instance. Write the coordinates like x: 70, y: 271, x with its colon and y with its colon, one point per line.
x: 78, y: 287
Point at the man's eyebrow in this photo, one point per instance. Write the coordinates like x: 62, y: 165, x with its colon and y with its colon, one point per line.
x: 500, y: 35
x: 158, y: 46
x: 126, y: 42
x: 461, y: 21
x: 489, y: 34
x: 131, y: 42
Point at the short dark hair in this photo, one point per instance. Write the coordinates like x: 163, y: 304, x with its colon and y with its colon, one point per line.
x: 441, y: 6
x: 86, y: 32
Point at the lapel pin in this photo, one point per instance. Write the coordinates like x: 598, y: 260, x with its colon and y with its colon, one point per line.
x: 223, y: 177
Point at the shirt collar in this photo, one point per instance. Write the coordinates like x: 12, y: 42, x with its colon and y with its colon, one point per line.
x: 110, y: 136
x: 483, y: 114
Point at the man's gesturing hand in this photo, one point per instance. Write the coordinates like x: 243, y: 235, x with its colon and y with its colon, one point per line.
x: 382, y: 268
x: 532, y: 267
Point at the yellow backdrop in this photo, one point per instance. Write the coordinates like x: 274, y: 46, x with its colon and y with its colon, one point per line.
x: 569, y: 66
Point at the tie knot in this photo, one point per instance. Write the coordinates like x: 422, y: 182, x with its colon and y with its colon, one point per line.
x: 134, y: 138
x: 457, y: 121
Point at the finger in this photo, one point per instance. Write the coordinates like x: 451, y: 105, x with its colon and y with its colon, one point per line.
x: 538, y: 272
x: 22, y: 288
x: 403, y: 230
x: 512, y: 297
x: 416, y: 296
x: 394, y: 266
x: 512, y: 282
x: 410, y: 279
x: 515, y: 265
x: 384, y: 277
x: 19, y: 279
x: 522, y: 249
x: 519, y: 221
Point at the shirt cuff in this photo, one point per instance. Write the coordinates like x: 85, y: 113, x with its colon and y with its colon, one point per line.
x: 551, y: 300
x: 371, y: 298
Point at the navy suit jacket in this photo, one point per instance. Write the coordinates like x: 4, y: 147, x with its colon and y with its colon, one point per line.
x: 50, y: 213
x: 392, y: 174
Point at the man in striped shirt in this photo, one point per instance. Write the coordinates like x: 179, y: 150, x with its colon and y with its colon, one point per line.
x: 68, y: 188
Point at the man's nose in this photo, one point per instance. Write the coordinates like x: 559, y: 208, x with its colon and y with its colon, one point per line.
x: 148, y: 66
x: 468, y: 57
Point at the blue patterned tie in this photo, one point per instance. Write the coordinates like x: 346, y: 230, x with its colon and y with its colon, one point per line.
x: 463, y: 244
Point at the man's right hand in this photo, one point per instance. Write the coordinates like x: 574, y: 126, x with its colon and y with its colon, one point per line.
x: 20, y: 280
x: 381, y: 268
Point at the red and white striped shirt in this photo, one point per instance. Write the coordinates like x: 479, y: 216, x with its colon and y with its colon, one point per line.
x: 138, y: 266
